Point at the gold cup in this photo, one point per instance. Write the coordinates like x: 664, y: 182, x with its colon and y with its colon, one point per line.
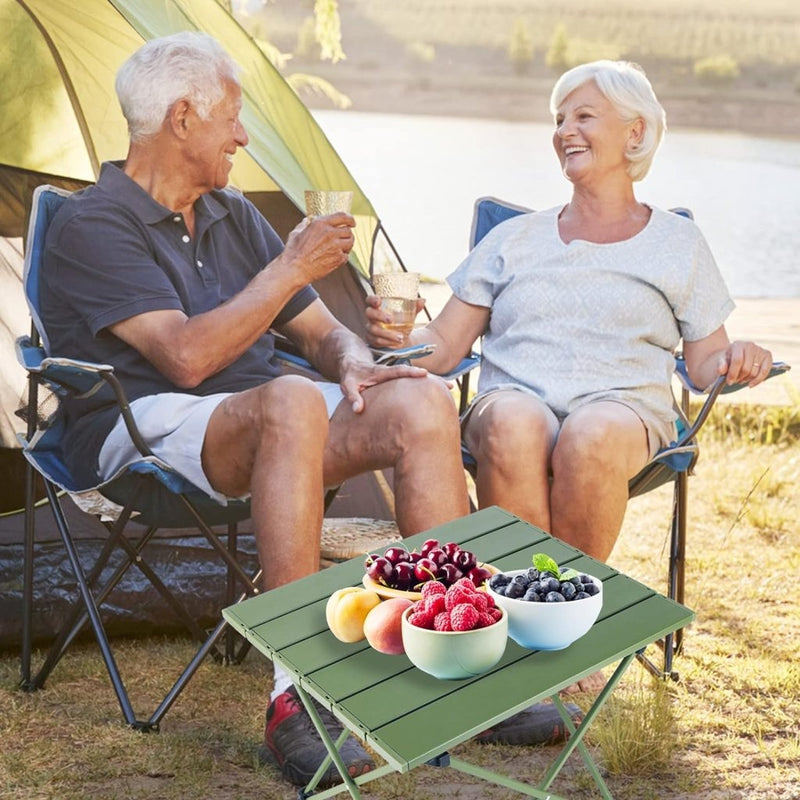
x: 320, y: 202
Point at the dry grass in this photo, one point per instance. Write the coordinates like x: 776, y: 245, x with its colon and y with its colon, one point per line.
x: 727, y: 730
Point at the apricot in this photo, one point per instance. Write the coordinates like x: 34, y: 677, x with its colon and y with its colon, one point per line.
x: 346, y: 611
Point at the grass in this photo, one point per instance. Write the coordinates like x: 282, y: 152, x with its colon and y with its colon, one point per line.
x: 727, y: 729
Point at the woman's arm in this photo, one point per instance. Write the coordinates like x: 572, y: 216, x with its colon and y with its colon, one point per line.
x: 714, y: 355
x: 454, y: 331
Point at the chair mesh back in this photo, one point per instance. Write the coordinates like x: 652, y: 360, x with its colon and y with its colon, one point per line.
x: 46, y: 201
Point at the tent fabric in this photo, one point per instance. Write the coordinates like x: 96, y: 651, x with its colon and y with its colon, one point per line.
x: 61, y: 116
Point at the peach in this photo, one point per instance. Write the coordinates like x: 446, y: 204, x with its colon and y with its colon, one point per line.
x: 383, y: 625
x: 346, y: 611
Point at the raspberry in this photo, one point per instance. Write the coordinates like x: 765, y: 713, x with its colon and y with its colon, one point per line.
x: 432, y: 588
x: 464, y: 617
x: 481, y: 601
x: 434, y: 604
x: 495, y: 613
x: 456, y: 595
x: 466, y: 583
x: 485, y: 619
x: 421, y: 619
x: 442, y: 622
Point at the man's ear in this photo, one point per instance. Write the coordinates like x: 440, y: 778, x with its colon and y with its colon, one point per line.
x: 179, y: 118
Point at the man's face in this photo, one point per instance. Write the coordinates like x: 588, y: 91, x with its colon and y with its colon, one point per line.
x: 214, y: 141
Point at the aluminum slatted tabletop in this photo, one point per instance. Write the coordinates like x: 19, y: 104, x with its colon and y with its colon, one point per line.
x: 410, y: 718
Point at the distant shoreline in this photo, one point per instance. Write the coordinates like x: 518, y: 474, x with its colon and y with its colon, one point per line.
x: 758, y: 112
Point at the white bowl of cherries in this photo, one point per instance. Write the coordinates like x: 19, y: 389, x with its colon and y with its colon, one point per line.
x: 399, y: 572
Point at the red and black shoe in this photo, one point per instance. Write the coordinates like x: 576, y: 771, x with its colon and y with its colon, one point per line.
x: 292, y: 744
x: 538, y: 724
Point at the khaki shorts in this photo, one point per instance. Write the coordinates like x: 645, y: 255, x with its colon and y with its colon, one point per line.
x: 174, y: 426
x: 651, y: 426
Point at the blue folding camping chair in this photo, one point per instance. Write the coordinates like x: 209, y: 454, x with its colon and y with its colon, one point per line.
x: 673, y: 463
x: 149, y: 493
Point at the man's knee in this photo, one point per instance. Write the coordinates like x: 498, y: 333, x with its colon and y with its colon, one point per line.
x: 425, y: 408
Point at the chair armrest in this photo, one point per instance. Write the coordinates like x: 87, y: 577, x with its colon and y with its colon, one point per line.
x: 79, y: 378
x: 778, y: 368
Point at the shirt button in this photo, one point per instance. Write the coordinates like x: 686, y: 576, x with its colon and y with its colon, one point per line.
x: 177, y: 219
x: 199, y: 263
x: 185, y: 238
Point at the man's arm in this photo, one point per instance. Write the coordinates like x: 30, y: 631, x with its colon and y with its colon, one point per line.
x: 187, y: 350
x: 339, y: 354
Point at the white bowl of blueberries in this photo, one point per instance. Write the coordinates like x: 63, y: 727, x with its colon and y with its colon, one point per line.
x: 547, y: 609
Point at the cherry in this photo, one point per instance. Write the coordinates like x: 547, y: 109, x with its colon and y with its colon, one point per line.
x: 414, y: 556
x: 438, y: 556
x: 380, y: 570
x: 425, y: 569
x: 428, y: 545
x: 403, y: 575
x: 450, y: 549
x: 479, y: 575
x: 396, y: 554
x: 465, y: 560
x: 449, y: 574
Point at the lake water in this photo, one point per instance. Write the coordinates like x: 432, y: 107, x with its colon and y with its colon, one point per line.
x: 422, y: 175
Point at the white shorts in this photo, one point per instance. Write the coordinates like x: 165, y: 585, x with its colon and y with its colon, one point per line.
x: 174, y: 426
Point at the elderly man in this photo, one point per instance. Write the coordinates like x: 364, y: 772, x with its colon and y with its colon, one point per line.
x: 176, y: 281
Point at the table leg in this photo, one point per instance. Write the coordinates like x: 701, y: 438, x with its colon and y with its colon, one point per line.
x: 576, y: 738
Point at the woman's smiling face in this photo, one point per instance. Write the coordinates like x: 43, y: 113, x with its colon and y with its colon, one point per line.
x: 590, y: 138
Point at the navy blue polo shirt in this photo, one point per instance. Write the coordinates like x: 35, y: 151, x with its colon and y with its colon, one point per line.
x: 113, y: 252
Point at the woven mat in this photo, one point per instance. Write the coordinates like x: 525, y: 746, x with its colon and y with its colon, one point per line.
x: 348, y: 537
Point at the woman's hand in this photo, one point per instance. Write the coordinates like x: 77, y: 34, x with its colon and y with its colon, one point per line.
x: 745, y: 362
x: 715, y: 355
x: 377, y: 334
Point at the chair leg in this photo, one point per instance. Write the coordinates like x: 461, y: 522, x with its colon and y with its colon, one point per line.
x: 27, y: 579
x: 91, y: 608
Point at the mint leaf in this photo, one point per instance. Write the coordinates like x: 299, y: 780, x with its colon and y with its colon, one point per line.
x: 568, y: 575
x: 544, y: 563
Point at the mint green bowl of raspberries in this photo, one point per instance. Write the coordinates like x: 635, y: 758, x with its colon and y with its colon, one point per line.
x: 454, y: 633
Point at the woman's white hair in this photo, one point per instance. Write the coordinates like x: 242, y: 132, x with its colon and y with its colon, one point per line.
x: 627, y: 88
x: 184, y: 66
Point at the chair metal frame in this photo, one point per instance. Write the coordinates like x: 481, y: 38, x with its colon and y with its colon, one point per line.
x: 674, y: 463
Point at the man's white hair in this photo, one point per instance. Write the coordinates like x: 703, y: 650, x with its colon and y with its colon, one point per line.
x: 184, y: 66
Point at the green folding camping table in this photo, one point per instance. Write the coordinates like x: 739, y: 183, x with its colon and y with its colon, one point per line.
x: 410, y: 718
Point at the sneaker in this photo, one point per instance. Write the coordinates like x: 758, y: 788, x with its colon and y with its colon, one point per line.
x: 538, y: 724
x: 292, y: 744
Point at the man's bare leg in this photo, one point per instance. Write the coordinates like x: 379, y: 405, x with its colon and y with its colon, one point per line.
x: 269, y: 441
x: 410, y: 424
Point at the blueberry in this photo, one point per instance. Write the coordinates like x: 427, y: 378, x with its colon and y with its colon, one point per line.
x: 531, y: 596
x: 515, y: 590
x: 551, y: 584
x: 546, y: 574
x: 533, y: 574
x: 576, y: 581
x: 554, y: 597
x: 522, y: 579
x: 581, y: 596
x: 590, y: 588
x: 499, y: 579
x: 568, y: 590
x: 537, y: 587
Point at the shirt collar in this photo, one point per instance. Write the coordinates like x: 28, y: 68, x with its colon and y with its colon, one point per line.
x: 128, y: 193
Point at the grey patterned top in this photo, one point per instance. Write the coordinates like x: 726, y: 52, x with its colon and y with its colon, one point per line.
x: 583, y: 321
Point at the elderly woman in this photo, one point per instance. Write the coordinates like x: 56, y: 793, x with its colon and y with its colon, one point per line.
x: 580, y: 308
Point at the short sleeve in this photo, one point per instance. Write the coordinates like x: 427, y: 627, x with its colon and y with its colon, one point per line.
x: 705, y: 302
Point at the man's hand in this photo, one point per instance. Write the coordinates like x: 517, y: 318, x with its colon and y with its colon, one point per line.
x: 318, y: 246
x: 357, y: 375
